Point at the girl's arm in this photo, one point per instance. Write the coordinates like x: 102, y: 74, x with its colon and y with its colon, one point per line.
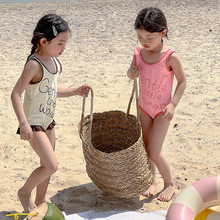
x: 176, y: 65
x: 30, y: 71
x: 180, y: 76
x: 132, y: 71
x: 66, y: 92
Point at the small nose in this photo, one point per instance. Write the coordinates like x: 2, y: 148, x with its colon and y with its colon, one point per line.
x: 145, y: 41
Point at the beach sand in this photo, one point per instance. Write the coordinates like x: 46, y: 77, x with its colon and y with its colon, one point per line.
x: 99, y: 53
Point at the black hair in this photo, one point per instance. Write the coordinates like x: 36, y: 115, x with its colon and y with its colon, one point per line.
x: 49, y: 26
x: 152, y: 20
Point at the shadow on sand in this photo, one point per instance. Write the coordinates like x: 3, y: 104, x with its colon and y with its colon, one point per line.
x: 88, y: 197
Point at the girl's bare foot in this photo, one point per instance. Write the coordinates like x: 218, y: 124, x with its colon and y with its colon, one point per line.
x: 26, y: 201
x: 151, y: 191
x: 166, y: 194
x: 37, y: 203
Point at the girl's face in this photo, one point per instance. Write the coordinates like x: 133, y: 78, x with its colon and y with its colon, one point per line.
x: 57, y: 46
x: 150, y: 40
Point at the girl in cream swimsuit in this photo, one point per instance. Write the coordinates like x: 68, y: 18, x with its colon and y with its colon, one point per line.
x: 35, y: 116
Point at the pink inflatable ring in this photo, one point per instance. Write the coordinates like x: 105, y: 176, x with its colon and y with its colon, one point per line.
x: 195, y: 198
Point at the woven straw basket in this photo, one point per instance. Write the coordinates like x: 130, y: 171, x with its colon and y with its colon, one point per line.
x: 115, y: 157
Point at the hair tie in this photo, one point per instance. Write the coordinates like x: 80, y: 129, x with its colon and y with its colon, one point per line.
x: 54, y: 31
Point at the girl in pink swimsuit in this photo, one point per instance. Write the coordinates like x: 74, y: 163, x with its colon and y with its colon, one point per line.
x: 156, y: 65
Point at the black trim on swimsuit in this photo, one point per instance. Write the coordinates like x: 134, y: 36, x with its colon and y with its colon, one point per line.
x: 40, y: 128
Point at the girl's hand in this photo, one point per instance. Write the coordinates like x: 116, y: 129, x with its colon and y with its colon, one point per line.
x: 132, y: 72
x: 83, y: 90
x: 26, y: 132
x: 168, y: 112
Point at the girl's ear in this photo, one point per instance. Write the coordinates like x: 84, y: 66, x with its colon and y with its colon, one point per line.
x: 164, y: 32
x: 44, y: 42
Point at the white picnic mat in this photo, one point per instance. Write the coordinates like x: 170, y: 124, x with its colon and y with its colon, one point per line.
x: 117, y: 215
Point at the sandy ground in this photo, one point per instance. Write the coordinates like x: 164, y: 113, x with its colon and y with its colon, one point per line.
x: 99, y: 53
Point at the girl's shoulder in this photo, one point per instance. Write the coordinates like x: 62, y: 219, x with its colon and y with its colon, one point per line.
x: 171, y: 53
x: 174, y: 60
x: 138, y: 50
x: 34, y: 70
x: 174, y: 57
x: 33, y: 64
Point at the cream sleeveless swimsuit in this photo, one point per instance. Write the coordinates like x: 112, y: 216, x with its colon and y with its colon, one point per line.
x: 40, y: 98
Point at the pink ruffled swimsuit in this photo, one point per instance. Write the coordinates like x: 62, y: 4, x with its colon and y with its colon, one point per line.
x: 155, y: 83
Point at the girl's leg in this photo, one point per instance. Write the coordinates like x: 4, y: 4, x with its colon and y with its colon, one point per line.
x: 146, y: 123
x: 158, y: 134
x: 42, y: 146
x: 42, y: 188
x: 153, y: 187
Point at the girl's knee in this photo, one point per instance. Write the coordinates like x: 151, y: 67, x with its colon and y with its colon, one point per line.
x: 52, y: 167
x: 22, y: 192
x: 154, y: 156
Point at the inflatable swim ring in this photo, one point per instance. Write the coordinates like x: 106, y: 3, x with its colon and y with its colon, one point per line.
x: 209, y: 214
x: 195, y: 198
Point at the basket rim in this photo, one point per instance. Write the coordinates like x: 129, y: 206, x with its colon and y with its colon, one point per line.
x: 123, y: 150
x: 86, y: 141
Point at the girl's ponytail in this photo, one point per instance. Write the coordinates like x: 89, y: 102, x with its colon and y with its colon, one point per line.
x: 33, y: 49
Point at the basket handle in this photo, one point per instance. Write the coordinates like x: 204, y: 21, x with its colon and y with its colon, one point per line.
x: 135, y: 89
x: 91, y: 117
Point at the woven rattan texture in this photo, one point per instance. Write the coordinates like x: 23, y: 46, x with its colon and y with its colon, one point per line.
x: 116, y: 162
